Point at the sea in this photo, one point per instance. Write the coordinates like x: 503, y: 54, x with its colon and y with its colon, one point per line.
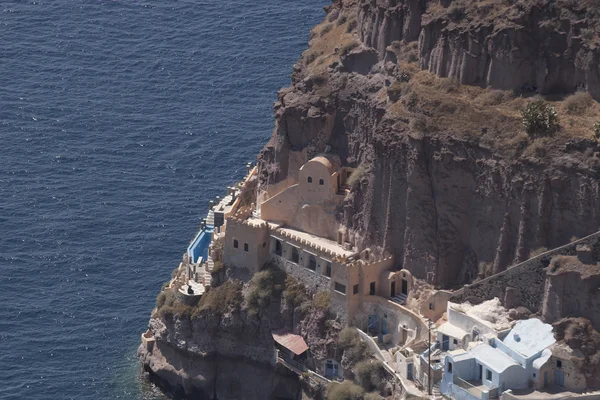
x: 119, y: 121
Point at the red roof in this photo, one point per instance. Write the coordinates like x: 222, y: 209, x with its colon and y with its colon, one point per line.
x: 292, y: 342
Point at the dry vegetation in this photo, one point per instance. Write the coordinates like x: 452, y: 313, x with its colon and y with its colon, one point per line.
x: 430, y: 104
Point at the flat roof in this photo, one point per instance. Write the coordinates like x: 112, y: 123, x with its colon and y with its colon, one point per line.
x: 318, y: 241
x: 493, y: 358
x: 294, y: 343
x: 451, y: 330
x: 529, y: 337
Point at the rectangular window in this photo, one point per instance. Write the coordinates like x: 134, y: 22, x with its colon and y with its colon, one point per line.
x: 355, y: 289
x: 328, y: 270
x: 558, y: 364
x: 312, y: 263
x: 431, y: 306
x: 449, y: 368
x: 372, y: 289
x: 488, y: 374
x: 340, y: 288
x: 455, y: 341
x: 245, y: 246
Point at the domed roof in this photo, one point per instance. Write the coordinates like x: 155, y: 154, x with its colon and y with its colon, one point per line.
x: 331, y: 161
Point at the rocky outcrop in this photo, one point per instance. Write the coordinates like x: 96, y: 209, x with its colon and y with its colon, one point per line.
x: 543, y: 46
x: 216, y: 357
x: 443, y: 204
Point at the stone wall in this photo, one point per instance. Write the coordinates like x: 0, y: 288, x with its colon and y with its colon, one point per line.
x: 522, y: 284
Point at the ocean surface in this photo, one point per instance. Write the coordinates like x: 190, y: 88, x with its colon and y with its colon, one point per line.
x: 119, y: 121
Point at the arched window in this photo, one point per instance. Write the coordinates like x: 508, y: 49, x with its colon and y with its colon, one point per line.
x: 321, y: 182
x: 245, y: 246
x: 278, y: 247
x: 236, y: 243
x: 312, y: 263
x: 309, y: 180
x: 295, y: 255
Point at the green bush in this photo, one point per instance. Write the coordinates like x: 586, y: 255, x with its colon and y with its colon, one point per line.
x: 539, y: 119
x: 369, y: 374
x: 321, y: 301
x: 167, y: 305
x: 344, y: 391
x: 356, y: 176
x: 221, y: 299
x: 355, y: 350
x: 294, y: 292
x: 264, y: 286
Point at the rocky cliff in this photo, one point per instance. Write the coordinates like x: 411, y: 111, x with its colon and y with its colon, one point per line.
x: 452, y: 186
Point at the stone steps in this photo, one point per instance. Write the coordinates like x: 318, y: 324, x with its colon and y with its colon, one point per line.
x: 400, y: 299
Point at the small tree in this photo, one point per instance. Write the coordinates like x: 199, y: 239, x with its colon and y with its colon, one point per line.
x: 539, y: 119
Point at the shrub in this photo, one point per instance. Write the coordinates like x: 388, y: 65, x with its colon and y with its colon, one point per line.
x: 348, y: 47
x: 395, y: 90
x: 217, y: 267
x: 356, y: 176
x: 597, y: 130
x: 373, y: 396
x: 167, y: 305
x: 537, y: 148
x: 539, y: 119
x: 351, y: 26
x: 578, y: 103
x: 311, y: 56
x: 321, y: 301
x: 344, y: 391
x: 448, y: 85
x: 369, y: 374
x: 355, y: 350
x: 342, y: 19
x: 221, y: 299
x: 264, y: 286
x: 495, y: 97
x: 537, y: 252
x: 294, y: 292
x: 326, y: 29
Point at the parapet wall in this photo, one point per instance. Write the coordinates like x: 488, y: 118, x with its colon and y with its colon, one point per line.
x: 522, y: 284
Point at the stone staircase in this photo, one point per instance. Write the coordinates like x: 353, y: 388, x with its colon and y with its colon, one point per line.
x: 435, y: 392
x: 210, y: 218
x: 400, y: 299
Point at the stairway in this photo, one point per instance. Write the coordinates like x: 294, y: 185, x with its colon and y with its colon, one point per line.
x: 435, y: 391
x: 210, y: 218
x: 400, y: 299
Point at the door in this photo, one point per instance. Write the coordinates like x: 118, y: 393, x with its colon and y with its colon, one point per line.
x: 480, y: 376
x: 409, y: 372
x: 372, y: 323
x: 405, y: 287
x: 384, y: 326
x: 393, y: 289
x: 559, y: 378
x: 445, y: 343
x: 546, y: 379
x: 372, y: 289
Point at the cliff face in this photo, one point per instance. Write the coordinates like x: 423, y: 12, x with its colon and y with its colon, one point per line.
x: 451, y: 188
x: 518, y: 45
x: 216, y: 357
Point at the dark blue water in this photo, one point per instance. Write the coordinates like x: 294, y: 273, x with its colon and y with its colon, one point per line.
x: 119, y: 120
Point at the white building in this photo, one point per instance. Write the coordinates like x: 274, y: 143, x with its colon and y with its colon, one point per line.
x: 488, y: 369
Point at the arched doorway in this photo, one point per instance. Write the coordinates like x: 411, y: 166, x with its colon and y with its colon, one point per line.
x: 278, y: 248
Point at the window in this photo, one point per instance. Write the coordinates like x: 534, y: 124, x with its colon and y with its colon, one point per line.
x: 449, y: 370
x: 328, y: 270
x: 278, y: 247
x: 355, y: 289
x: 455, y: 341
x: 264, y: 244
x: 340, y: 288
x: 372, y: 289
x: 295, y: 255
x: 321, y: 182
x: 488, y: 374
x: 236, y: 243
x: 534, y: 374
x: 431, y: 306
x: 245, y: 246
x: 309, y: 180
x: 312, y: 263
x: 558, y: 364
